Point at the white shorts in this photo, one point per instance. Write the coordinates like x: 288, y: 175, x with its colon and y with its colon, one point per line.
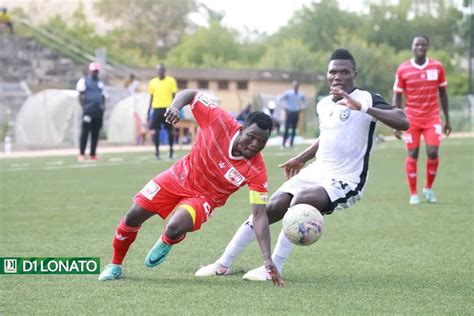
x: 342, y: 193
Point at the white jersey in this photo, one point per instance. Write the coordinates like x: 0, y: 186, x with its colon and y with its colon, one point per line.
x: 346, y: 138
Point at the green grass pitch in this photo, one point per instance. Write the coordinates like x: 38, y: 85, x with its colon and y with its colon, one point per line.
x: 380, y: 257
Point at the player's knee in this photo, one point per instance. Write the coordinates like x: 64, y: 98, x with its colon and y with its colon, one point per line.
x: 432, y: 153
x: 413, y: 153
x: 277, y: 207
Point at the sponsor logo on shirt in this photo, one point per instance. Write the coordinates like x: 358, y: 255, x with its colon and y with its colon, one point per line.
x: 150, y: 190
x: 432, y: 74
x: 234, y: 177
x: 206, y: 101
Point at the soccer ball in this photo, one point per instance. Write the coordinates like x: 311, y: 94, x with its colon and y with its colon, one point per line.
x: 303, y: 224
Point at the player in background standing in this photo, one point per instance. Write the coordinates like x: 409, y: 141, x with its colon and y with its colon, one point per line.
x: 420, y: 79
x: 337, y: 178
x: 162, y: 90
x: 229, y: 154
x: 294, y: 103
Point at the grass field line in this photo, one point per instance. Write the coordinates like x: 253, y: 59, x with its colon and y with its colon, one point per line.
x: 107, y: 149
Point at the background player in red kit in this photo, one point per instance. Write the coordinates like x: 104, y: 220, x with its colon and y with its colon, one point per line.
x: 224, y: 157
x: 420, y: 79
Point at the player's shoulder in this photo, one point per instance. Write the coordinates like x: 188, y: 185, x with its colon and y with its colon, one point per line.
x: 405, y: 65
x: 372, y: 97
x: 434, y: 63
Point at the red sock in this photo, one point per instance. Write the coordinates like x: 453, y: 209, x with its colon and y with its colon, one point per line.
x: 431, y: 170
x: 410, y: 170
x: 124, y: 237
x: 170, y: 241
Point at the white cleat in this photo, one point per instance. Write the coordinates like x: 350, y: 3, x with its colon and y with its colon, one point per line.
x: 212, y: 270
x: 257, y: 274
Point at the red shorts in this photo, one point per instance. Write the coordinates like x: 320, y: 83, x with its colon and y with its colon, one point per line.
x: 162, y: 195
x: 431, y: 131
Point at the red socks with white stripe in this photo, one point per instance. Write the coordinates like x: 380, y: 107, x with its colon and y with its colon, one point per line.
x: 124, y: 237
x: 431, y: 170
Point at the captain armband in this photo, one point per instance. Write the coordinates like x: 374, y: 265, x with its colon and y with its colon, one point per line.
x: 258, y: 197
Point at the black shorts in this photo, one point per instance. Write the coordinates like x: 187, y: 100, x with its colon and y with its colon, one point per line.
x: 158, y: 120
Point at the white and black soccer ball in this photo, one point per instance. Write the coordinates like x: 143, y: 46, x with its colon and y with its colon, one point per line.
x: 303, y: 224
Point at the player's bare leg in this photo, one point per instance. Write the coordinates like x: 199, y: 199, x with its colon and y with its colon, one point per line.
x: 180, y: 223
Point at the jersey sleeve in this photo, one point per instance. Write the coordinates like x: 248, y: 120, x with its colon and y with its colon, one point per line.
x: 258, y: 187
x: 151, y: 87
x: 205, y: 111
x: 174, y: 85
x: 81, y: 85
x: 442, y: 81
x: 379, y: 102
x: 399, y: 85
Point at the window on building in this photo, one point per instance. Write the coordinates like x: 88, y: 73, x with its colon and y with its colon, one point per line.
x: 223, y: 85
x: 203, y: 84
x: 182, y: 84
x: 242, y: 85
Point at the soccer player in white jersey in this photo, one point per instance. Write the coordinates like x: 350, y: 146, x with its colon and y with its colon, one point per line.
x: 336, y: 179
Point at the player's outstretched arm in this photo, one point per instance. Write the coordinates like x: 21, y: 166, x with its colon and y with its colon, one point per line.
x: 181, y: 99
x: 262, y: 231
x: 393, y: 117
x: 292, y: 166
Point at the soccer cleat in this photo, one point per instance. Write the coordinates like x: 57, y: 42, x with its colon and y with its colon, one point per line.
x: 80, y: 158
x: 157, y: 254
x: 94, y: 158
x: 257, y: 274
x: 111, y: 272
x: 429, y: 195
x: 212, y: 269
x: 414, y: 199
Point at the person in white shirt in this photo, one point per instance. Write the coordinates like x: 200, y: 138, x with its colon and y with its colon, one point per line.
x: 337, y: 178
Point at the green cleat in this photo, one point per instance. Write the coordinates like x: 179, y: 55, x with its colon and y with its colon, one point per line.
x: 111, y: 272
x: 157, y: 254
x: 414, y: 199
x: 430, y: 196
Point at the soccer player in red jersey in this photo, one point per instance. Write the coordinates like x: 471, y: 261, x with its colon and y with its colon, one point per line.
x: 224, y: 157
x: 421, y: 79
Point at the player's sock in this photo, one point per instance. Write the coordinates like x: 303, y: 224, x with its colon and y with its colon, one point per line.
x: 242, y: 238
x: 283, y: 249
x: 124, y: 237
x: 431, y: 170
x: 410, y: 169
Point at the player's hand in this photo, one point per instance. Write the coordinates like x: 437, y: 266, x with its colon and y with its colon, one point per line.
x: 397, y: 134
x: 172, y: 115
x: 447, y: 129
x: 346, y: 100
x: 291, y: 167
x: 273, y: 272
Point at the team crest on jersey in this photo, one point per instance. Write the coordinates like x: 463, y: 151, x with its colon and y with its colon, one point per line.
x: 344, y: 114
x: 234, y: 177
x: 150, y: 189
x: 432, y: 74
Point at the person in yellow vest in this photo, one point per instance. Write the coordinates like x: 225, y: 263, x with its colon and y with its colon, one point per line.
x: 5, y: 19
x: 162, y: 90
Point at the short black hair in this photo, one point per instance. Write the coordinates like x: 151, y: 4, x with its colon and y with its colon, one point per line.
x: 262, y: 120
x: 342, y: 53
x: 422, y: 36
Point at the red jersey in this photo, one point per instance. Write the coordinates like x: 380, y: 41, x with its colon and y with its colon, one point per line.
x: 419, y: 84
x: 209, y: 169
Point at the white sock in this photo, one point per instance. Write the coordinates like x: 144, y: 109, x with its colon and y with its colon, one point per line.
x: 242, y: 238
x: 283, y: 249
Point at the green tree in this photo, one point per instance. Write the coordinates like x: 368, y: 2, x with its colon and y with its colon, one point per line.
x: 215, y: 46
x: 154, y: 26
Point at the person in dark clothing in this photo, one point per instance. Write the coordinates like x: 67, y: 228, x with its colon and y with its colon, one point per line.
x: 295, y: 102
x: 92, y: 100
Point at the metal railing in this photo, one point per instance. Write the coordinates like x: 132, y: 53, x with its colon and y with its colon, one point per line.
x: 73, y: 48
